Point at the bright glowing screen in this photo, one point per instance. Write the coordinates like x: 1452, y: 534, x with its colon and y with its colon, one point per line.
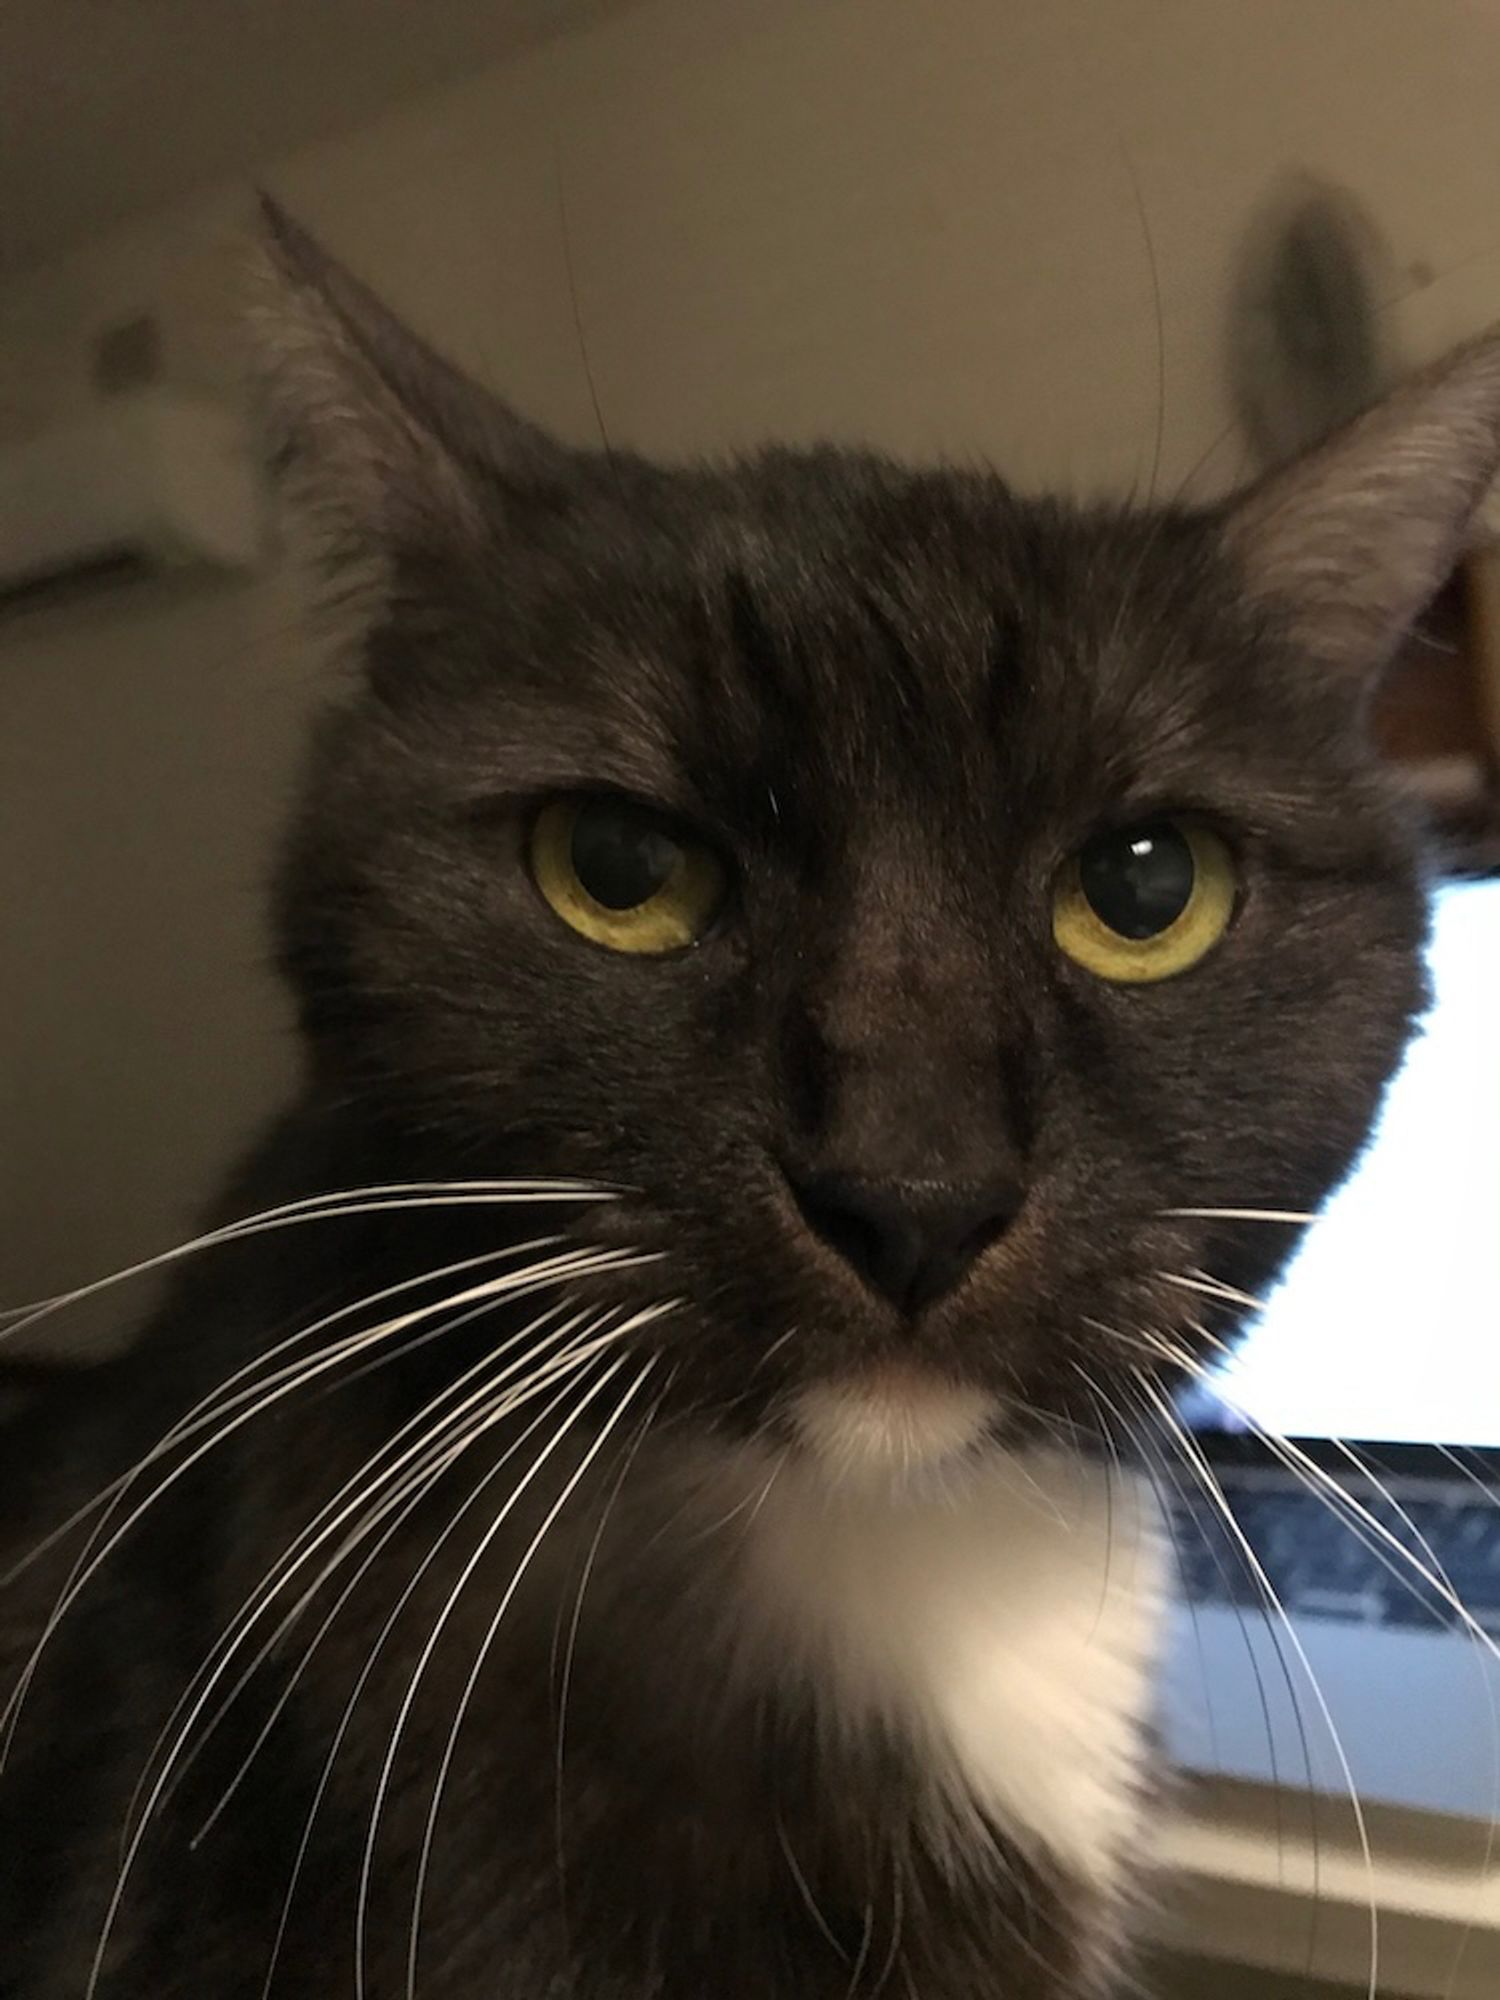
x: 1387, y: 1323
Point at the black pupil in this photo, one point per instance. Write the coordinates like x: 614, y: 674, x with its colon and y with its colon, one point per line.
x: 1139, y: 879
x: 621, y: 854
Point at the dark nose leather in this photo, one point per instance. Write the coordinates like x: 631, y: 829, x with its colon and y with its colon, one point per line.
x: 911, y: 1241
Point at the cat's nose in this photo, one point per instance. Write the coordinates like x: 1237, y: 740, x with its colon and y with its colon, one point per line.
x: 910, y: 1240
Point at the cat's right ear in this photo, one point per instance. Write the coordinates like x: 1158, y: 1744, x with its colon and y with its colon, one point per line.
x: 385, y: 444
x: 1350, y: 543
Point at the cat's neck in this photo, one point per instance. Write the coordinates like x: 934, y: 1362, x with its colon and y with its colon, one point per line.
x: 1003, y: 1621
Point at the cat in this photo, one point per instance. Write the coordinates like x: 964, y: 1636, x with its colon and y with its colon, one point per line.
x: 824, y: 989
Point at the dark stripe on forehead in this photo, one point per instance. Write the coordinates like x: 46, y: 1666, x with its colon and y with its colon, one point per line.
x: 756, y: 731
x: 763, y: 658
x: 904, y: 671
x: 1005, y: 673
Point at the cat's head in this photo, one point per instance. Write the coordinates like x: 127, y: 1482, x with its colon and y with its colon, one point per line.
x: 920, y: 899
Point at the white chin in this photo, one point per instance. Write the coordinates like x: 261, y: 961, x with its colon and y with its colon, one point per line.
x: 890, y: 1423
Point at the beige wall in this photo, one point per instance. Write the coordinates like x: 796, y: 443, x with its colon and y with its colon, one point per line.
x: 915, y: 221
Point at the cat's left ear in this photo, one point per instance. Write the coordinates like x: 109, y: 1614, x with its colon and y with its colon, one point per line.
x: 386, y: 441
x: 1353, y: 540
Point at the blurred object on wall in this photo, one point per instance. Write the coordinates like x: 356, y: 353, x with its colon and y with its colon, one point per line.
x: 1309, y: 348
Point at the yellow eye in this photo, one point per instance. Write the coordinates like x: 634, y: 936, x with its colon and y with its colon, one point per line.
x: 624, y: 876
x: 1145, y: 902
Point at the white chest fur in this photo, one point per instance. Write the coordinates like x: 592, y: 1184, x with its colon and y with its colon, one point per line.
x: 1005, y: 1622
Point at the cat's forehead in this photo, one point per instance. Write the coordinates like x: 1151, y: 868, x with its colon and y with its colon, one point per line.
x: 860, y: 631
x: 815, y: 642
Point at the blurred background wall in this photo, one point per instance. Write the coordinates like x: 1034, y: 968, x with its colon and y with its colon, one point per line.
x: 927, y: 223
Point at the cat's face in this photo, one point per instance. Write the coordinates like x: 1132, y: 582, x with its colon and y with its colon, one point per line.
x: 893, y: 1129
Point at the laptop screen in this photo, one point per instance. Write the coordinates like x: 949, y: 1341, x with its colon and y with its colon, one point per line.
x: 1386, y: 1325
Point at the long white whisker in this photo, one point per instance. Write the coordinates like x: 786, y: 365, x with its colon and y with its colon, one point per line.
x: 1366, y: 1527
x: 1195, y: 1457
x: 1483, y: 1485
x: 373, y: 1657
x: 1370, y: 1529
x: 219, y: 1400
x: 509, y: 1282
x: 209, y: 1413
x: 487, y: 1642
x: 1163, y: 1466
x: 1105, y: 1408
x: 316, y: 1208
x: 408, y: 1496
x: 1382, y: 1545
x: 361, y: 1920
x: 435, y: 1635
x: 1141, y: 1341
x: 1487, y: 1684
x: 126, y: 1868
x: 459, y: 1438
x: 565, y: 1682
x: 1298, y: 1215
x: 435, y: 1428
x: 1213, y: 1288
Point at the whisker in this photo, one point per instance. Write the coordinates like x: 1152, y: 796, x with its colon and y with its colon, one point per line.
x: 372, y: 1658
x: 775, y: 1348
x: 1370, y: 1530
x: 1298, y: 1215
x: 1114, y: 1475
x: 1483, y: 1482
x: 1162, y: 1464
x: 412, y: 1492
x: 805, y: 1891
x: 1213, y: 1339
x: 1194, y: 1457
x: 218, y: 1400
x: 1365, y: 1526
x: 765, y: 1493
x: 565, y: 1680
x: 430, y: 1646
x: 436, y: 1428
x: 126, y: 1868
x: 209, y: 1413
x: 508, y: 1283
x: 487, y: 1642
x: 1139, y: 1340
x: 320, y: 1208
x: 752, y: 1501
x: 1214, y: 1289
x: 1487, y: 1684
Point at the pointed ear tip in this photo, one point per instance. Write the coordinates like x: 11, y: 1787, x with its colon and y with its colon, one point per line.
x: 282, y: 243
x: 282, y: 295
